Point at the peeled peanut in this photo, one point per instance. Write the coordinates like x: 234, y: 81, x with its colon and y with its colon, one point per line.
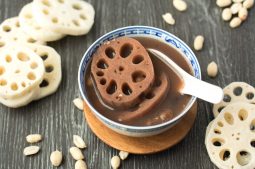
x: 248, y: 4
x: 199, y: 42
x: 243, y: 13
x: 115, y: 162
x: 223, y: 3
x: 212, y: 69
x: 235, y: 22
x: 168, y: 18
x: 180, y: 5
x: 235, y: 8
x: 226, y: 14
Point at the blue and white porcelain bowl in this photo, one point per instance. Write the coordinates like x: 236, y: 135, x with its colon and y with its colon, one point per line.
x: 138, y: 31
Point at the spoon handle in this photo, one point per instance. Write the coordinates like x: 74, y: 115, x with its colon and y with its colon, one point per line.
x: 192, y: 85
x: 202, y: 90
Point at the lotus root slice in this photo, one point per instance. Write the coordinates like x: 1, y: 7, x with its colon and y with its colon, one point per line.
x: 235, y: 92
x: 122, y: 71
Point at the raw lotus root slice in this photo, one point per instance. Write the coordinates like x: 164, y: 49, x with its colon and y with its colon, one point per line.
x: 20, y: 71
x: 235, y: 92
x: 158, y: 92
x: 20, y: 101
x: 51, y: 78
x: 10, y: 31
x: 72, y: 17
x: 230, y: 141
x: 53, y: 73
x: 30, y: 26
x: 122, y: 71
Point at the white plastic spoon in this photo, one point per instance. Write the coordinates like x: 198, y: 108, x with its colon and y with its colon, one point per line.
x: 192, y: 86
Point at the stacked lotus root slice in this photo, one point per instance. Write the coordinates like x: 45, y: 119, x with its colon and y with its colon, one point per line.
x: 230, y: 137
x: 124, y: 76
x: 28, y: 72
x: 28, y: 69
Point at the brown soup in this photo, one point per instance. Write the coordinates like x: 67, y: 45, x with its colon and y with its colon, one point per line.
x: 169, y: 106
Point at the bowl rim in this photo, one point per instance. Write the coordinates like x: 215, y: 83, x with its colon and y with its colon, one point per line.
x: 109, y: 121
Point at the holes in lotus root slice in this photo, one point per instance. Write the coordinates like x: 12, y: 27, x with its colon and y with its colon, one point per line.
x: 44, y: 83
x: 252, y: 125
x: 150, y: 95
x: 229, y: 118
x: 217, y: 131
x: 126, y: 89
x: 8, y: 58
x: 2, y: 44
x: 250, y: 96
x: 14, y: 86
x: 102, y: 64
x: 242, y: 114
x: 126, y: 50
x: 7, y: 28
x: 54, y: 20
x: 220, y: 124
x: 137, y: 59
x: 220, y: 108
x: 23, y: 57
x: 112, y: 87
x: 2, y: 70
x: 243, y: 158
x: 44, y: 56
x: 49, y: 68
x: 46, y: 11
x: 253, y: 143
x: 138, y: 76
x: 31, y: 76
x: 237, y: 91
x: 33, y: 65
x: 83, y: 17
x: 76, y: 23
x: 226, y: 98
x: 100, y: 73
x: 31, y: 40
x: 17, y: 24
x: 28, y: 16
x: 224, y: 154
x: 17, y: 71
x: 103, y: 81
x: 23, y: 84
x: 46, y: 3
x: 110, y: 52
x: 38, y: 28
x: 218, y: 142
x: 3, y: 82
x: 77, y: 6
x: 121, y: 68
x: 61, y: 1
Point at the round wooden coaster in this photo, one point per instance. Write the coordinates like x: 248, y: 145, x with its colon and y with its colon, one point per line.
x: 146, y: 145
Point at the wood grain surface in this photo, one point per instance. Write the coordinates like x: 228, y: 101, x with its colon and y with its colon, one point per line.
x: 57, y: 119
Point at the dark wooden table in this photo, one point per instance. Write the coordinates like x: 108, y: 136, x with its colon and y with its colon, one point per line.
x: 56, y: 118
